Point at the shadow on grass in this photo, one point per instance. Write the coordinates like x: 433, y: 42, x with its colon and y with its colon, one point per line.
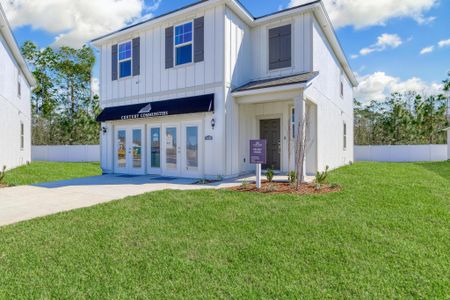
x: 441, y: 169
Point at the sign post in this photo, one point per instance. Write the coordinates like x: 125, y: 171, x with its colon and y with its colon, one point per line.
x: 258, y: 150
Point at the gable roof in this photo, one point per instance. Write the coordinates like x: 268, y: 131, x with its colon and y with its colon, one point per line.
x: 316, y: 6
x: 11, y: 42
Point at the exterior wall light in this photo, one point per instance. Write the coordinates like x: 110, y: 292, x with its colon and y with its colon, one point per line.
x: 104, y: 130
x: 213, y: 123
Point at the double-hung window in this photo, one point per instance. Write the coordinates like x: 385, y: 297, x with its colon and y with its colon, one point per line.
x: 345, y: 136
x: 125, y: 59
x: 22, y: 136
x: 183, y: 43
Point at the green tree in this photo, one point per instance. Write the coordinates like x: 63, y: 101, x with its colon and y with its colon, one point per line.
x: 64, y: 108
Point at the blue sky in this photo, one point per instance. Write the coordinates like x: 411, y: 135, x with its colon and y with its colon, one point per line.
x: 383, y: 39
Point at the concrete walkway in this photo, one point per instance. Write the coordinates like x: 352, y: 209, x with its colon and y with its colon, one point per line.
x: 28, y: 202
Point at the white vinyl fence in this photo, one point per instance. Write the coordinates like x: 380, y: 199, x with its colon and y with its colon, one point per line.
x: 81, y: 153
x: 401, y: 153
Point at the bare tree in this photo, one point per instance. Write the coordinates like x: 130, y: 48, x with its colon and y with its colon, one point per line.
x: 301, y: 142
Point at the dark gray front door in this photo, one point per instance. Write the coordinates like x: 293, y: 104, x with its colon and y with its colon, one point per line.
x: 270, y: 131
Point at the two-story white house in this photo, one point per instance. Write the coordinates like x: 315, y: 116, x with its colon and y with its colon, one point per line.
x: 15, y: 100
x: 185, y: 92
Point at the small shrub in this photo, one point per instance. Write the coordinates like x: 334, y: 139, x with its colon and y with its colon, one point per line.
x: 292, y: 177
x: 2, y: 174
x: 269, y: 174
x: 321, y: 178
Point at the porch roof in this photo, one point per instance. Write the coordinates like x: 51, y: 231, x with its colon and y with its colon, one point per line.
x: 277, y: 81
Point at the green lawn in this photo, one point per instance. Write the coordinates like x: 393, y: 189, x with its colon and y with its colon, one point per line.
x: 38, y: 172
x: 385, y: 235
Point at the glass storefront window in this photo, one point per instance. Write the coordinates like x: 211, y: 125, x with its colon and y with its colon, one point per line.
x: 155, y: 138
x: 121, y: 149
x: 192, y: 147
x: 171, y: 148
x: 137, y: 148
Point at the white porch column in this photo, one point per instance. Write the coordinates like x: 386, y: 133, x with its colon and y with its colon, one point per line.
x: 300, y: 109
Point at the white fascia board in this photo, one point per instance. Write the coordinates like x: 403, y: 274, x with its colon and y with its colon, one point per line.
x: 275, y: 89
x: 14, y: 48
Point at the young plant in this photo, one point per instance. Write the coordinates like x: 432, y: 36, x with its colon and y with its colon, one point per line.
x: 321, y: 178
x: 244, y: 185
x: 2, y: 174
x: 292, y: 177
x: 269, y: 174
x: 271, y: 187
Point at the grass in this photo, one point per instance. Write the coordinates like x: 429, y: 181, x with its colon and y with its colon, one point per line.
x: 39, y: 172
x: 385, y: 235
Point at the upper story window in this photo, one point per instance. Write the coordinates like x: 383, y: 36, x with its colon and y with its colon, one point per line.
x: 341, y: 85
x: 125, y: 59
x: 280, y: 47
x: 183, y: 43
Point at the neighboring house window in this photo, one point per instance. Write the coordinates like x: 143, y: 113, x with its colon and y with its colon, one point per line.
x: 125, y: 59
x: 345, y: 136
x: 183, y: 43
x: 293, y: 122
x: 280, y: 47
x: 22, y: 133
x: 19, y: 87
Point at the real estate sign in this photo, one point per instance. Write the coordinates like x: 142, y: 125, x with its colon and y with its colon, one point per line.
x: 258, y: 151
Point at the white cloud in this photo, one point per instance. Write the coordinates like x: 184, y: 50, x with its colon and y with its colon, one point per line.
x: 444, y: 43
x: 379, y: 85
x: 427, y: 50
x: 75, y: 21
x: 365, y: 13
x: 384, y: 42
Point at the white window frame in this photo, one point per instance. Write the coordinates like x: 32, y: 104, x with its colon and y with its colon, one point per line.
x: 344, y: 132
x: 184, y: 44
x: 124, y: 60
x: 22, y: 136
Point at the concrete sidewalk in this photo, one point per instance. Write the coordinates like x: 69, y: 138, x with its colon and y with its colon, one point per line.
x: 28, y: 202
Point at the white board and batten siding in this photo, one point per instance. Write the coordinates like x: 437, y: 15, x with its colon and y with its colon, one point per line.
x: 402, y: 153
x: 155, y: 82
x: 14, y: 110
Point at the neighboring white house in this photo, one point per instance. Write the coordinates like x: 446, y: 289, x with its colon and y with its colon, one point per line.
x: 184, y: 93
x: 15, y: 102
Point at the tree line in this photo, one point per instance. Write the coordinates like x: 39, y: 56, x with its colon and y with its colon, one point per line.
x: 63, y: 106
x: 402, y: 119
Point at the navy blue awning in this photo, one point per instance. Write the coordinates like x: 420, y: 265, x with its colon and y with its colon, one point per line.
x: 189, y: 105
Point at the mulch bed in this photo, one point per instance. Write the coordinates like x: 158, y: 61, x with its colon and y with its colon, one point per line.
x: 286, y: 188
x: 3, y: 186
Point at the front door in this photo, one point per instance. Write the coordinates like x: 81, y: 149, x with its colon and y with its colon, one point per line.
x: 129, y: 150
x: 172, y: 150
x: 270, y: 131
x: 192, y: 150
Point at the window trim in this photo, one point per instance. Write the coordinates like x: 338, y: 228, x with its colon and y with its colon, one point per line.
x: 175, y: 46
x: 124, y: 60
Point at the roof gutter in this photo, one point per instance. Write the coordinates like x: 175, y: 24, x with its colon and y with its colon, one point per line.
x: 283, y: 88
x: 6, y: 32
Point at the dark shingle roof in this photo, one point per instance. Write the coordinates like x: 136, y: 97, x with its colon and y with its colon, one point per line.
x: 278, y: 81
